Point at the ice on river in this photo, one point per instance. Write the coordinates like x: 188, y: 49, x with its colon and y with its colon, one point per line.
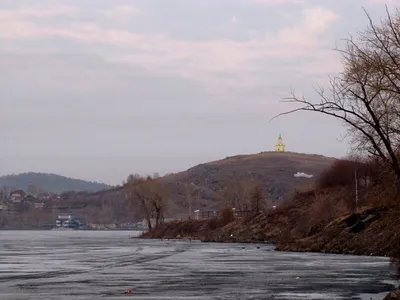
x: 86, y: 265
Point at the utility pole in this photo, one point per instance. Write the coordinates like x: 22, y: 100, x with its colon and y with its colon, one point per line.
x: 190, y: 206
x: 355, y: 178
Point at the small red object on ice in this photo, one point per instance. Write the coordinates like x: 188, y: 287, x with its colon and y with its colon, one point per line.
x: 128, y: 292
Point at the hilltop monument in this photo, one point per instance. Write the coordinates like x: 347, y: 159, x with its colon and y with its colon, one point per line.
x: 280, y: 146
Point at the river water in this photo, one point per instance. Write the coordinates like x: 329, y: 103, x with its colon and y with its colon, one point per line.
x: 76, y: 265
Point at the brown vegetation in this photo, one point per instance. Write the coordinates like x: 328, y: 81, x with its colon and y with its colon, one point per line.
x: 193, y: 229
x: 343, y: 173
x: 227, y: 215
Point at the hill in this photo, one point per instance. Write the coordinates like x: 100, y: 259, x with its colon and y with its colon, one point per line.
x: 51, y: 183
x: 274, y: 170
x: 207, y: 183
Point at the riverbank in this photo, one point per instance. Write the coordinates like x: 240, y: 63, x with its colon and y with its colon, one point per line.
x: 305, y: 225
x: 371, y: 231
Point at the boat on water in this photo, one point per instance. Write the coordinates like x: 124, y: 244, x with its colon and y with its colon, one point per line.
x: 67, y: 221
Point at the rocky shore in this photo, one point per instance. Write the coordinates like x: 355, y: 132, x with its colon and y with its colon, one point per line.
x: 371, y: 231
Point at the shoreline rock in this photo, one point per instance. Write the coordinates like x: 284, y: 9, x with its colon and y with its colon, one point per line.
x: 369, y: 232
x: 394, y: 295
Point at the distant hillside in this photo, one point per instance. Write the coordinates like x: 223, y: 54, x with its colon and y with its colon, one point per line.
x: 274, y: 170
x: 49, y: 183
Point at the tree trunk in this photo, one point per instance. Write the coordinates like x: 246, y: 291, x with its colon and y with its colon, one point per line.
x: 148, y: 218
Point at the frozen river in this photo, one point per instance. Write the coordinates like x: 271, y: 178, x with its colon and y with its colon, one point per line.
x: 94, y: 265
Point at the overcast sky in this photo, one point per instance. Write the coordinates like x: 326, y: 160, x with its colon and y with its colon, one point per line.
x: 98, y: 89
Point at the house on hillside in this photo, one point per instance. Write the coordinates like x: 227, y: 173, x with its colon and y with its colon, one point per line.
x: 17, y: 196
x: 47, y: 197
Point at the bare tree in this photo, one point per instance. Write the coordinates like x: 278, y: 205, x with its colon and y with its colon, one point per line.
x: 366, y: 94
x: 150, y: 196
x: 236, y: 193
x: 133, y: 178
x: 258, y: 201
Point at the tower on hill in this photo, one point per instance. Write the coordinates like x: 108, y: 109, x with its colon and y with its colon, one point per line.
x: 280, y: 147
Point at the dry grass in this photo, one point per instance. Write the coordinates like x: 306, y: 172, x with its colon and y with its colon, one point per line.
x: 193, y: 229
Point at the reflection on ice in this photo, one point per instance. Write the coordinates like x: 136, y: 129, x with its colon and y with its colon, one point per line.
x: 103, y: 264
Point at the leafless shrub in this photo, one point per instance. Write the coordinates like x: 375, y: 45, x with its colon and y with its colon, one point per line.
x: 213, y: 224
x: 236, y: 193
x: 226, y: 215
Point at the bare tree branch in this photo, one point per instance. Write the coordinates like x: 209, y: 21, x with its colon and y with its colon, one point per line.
x: 365, y: 96
x: 150, y: 196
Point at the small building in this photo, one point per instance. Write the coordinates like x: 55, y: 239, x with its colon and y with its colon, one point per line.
x: 280, y: 146
x: 17, y: 196
x: 48, y: 197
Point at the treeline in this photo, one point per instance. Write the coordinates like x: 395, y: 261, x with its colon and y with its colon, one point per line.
x: 150, y: 197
